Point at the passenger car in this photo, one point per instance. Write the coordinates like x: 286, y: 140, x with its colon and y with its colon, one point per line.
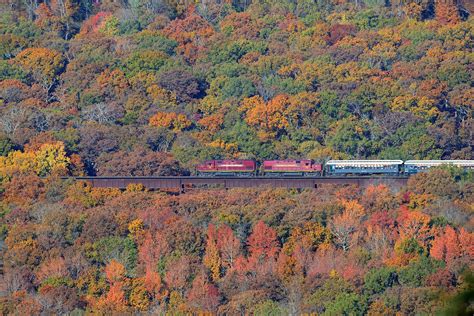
x: 415, y: 166
x: 361, y: 167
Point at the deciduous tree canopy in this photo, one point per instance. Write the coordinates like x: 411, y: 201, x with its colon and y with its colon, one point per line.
x: 141, y: 88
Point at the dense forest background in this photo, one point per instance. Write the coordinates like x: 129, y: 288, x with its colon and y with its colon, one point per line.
x: 153, y: 87
x: 175, y: 84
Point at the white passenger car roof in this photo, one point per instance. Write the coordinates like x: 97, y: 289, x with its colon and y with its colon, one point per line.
x: 462, y: 163
x: 364, y: 162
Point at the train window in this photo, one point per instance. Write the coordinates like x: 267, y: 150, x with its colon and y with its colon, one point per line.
x: 298, y: 161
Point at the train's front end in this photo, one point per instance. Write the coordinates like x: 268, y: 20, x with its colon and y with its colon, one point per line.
x: 207, y: 167
x: 227, y: 167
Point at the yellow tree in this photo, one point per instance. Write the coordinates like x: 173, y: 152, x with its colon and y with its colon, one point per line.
x: 171, y: 120
x: 270, y: 117
x: 420, y: 106
x: 212, y: 259
x: 16, y: 162
x: 162, y: 97
x: 136, y: 229
x: 297, y: 252
x: 413, y: 10
x: 43, y: 63
x: 345, y: 226
x: 139, y: 297
x: 311, y: 236
x: 49, y: 158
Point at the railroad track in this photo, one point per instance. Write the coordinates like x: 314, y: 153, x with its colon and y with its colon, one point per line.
x: 182, y: 182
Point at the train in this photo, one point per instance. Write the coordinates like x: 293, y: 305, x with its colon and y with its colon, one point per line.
x: 310, y: 168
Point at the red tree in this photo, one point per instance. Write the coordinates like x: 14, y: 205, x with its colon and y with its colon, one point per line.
x: 178, y: 273
x: 203, y: 296
x: 450, y: 245
x: 114, y: 300
x: 466, y: 240
x: 152, y: 249
x: 263, y: 243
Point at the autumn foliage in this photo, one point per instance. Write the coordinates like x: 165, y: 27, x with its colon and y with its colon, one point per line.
x: 172, y: 121
x: 151, y: 88
x: 137, y: 250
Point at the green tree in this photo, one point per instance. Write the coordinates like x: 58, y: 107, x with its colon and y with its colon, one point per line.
x: 461, y: 302
x: 322, y: 298
x: 269, y: 308
x: 6, y: 146
x: 347, y: 304
x: 377, y: 280
x: 120, y: 249
x: 144, y: 61
x: 416, y: 272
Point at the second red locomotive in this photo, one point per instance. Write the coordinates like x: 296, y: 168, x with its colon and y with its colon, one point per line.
x: 292, y: 167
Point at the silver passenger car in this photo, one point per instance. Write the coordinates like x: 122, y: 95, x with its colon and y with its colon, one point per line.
x: 415, y: 166
x: 362, y: 167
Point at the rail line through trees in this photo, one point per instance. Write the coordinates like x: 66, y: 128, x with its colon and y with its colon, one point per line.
x: 182, y: 182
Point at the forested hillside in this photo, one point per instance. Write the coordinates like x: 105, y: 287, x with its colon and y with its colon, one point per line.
x: 68, y: 247
x: 176, y: 84
x: 153, y: 87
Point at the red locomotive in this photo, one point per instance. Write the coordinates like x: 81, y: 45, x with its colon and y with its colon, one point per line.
x: 227, y: 168
x: 289, y: 167
x: 292, y: 167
